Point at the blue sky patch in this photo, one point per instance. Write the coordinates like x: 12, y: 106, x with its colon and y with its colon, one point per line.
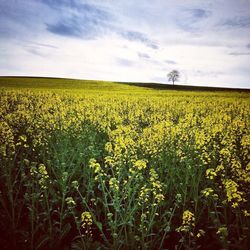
x: 239, y: 21
x: 139, y: 37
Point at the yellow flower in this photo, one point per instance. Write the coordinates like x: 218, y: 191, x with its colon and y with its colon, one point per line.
x: 140, y: 164
x: 113, y: 183
x: 70, y: 202
x: 211, y: 173
x: 232, y: 192
x: 75, y: 184
x: 159, y: 197
x: 246, y: 213
x: 95, y: 165
x: 108, y: 147
x: 86, y: 219
x: 200, y: 233
x: 207, y: 192
x: 187, y: 217
x: 42, y: 170
x: 188, y: 220
x: 222, y: 232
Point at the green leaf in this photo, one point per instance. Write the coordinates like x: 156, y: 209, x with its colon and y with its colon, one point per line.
x: 66, y: 230
x: 99, y: 225
x: 43, y: 242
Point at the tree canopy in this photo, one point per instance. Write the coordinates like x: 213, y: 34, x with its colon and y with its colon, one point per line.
x: 173, y: 76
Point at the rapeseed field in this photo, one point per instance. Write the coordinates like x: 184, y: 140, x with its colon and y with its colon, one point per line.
x: 99, y: 165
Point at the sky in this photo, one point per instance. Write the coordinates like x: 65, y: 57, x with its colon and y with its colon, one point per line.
x: 208, y: 42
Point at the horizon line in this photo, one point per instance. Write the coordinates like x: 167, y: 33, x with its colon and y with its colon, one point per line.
x: 127, y: 82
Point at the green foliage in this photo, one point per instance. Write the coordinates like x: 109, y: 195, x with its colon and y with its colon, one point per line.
x: 86, y: 167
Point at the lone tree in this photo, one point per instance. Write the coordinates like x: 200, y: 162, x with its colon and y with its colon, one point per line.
x: 173, y: 76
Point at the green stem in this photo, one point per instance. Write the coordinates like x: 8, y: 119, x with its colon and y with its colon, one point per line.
x: 165, y: 233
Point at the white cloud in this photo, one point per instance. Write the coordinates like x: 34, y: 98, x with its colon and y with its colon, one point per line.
x: 194, y: 35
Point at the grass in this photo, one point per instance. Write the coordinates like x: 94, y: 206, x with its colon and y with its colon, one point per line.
x: 62, y: 84
x: 66, y: 84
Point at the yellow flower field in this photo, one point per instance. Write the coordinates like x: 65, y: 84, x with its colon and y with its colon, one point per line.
x: 99, y: 165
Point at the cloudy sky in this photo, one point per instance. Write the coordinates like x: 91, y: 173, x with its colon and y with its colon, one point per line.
x: 128, y: 40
